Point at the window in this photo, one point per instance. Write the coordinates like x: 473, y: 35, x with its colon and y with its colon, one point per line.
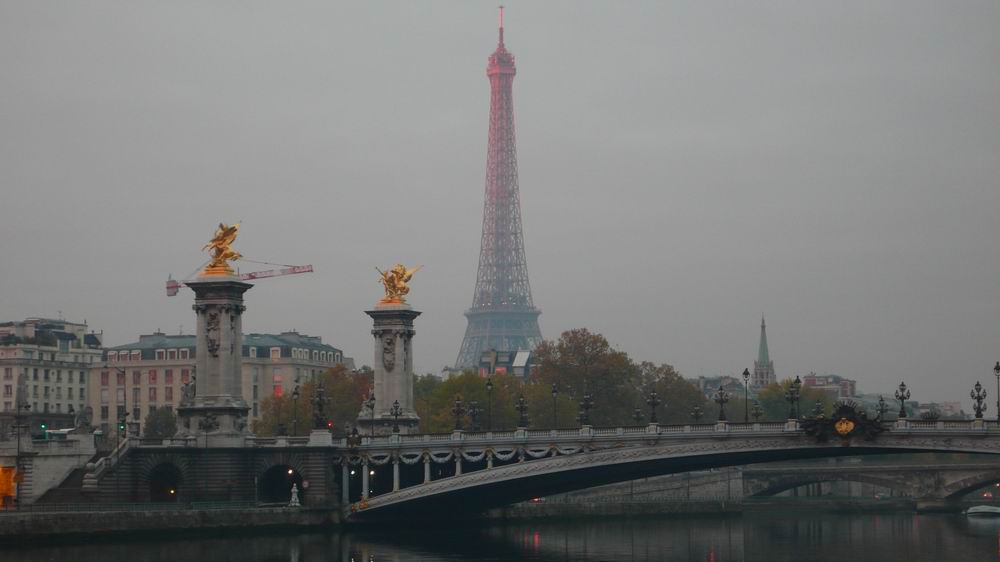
x: 136, y: 412
x: 104, y: 412
x: 81, y: 395
x: 70, y: 409
x: 315, y: 356
x: 253, y: 352
x: 83, y: 377
x: 104, y: 396
x: 6, y: 406
x: 277, y: 389
x: 152, y: 376
x: 185, y: 376
x: 161, y: 355
x: 104, y: 378
x: 46, y: 374
x: 45, y: 407
x: 121, y: 379
x: 58, y: 407
x: 168, y: 394
x: 69, y: 393
x: 275, y: 353
x: 8, y: 391
x: 59, y: 392
x: 113, y: 356
x: 120, y: 396
x: 136, y: 378
x: 120, y: 410
x: 58, y: 375
x: 136, y: 395
x: 8, y: 373
x: 136, y: 355
x: 34, y: 374
x: 168, y: 377
x: 46, y: 394
x: 152, y: 394
x: 185, y: 353
x: 34, y: 391
x: 152, y: 408
x: 172, y: 354
x: 255, y: 393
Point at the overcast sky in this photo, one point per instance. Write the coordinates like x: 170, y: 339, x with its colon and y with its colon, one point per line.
x: 684, y: 167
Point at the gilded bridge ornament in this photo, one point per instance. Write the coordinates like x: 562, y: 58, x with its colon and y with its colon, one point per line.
x: 221, y: 248
x: 844, y: 426
x: 395, y: 282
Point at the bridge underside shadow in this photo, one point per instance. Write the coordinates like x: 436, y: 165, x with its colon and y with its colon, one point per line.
x: 498, y: 488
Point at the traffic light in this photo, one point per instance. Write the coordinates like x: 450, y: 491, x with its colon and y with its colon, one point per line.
x: 329, y: 425
x: 44, y: 426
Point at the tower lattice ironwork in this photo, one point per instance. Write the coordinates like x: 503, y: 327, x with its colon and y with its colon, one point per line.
x: 503, y: 316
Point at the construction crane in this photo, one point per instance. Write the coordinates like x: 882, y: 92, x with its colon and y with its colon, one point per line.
x: 173, y: 285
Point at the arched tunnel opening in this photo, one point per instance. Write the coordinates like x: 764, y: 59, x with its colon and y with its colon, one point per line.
x: 164, y: 483
x: 276, y: 484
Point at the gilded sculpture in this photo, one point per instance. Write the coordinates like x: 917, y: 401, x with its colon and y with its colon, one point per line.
x: 221, y: 248
x: 395, y: 282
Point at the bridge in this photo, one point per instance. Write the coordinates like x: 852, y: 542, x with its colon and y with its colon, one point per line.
x: 464, y: 472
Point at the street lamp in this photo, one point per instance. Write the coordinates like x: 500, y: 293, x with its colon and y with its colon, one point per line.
x: 721, y: 397
x: 902, y: 394
x: 555, y: 414
x: 474, y: 411
x: 798, y: 396
x: 458, y: 411
x: 522, y: 410
x: 996, y: 371
x: 18, y: 418
x: 295, y: 410
x: 792, y: 397
x: 881, y: 408
x: 489, y: 403
x: 697, y: 413
x: 652, y: 400
x: 637, y: 416
x: 756, y: 411
x: 370, y: 404
x: 746, y: 395
x: 585, y: 405
x: 978, y: 394
x: 395, y: 412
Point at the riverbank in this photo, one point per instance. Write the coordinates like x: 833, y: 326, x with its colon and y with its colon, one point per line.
x: 23, y: 527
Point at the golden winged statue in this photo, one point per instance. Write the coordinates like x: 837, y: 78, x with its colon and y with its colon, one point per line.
x: 395, y: 282
x: 221, y: 248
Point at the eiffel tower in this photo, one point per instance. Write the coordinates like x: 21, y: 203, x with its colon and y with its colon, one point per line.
x: 503, y: 316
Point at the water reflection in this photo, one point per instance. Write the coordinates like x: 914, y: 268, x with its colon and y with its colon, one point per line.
x: 753, y: 537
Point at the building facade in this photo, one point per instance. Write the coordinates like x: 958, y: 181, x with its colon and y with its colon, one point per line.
x: 148, y: 374
x: 44, y: 370
x: 835, y: 386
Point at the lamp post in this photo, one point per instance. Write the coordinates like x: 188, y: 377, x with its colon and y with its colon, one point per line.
x: 902, y: 394
x: 370, y: 404
x: 458, y: 411
x: 395, y: 412
x: 697, y: 413
x: 555, y: 411
x: 489, y: 403
x: 721, y: 397
x: 652, y: 400
x: 881, y: 408
x: 585, y: 405
x: 522, y: 410
x: 798, y: 396
x: 978, y: 395
x: 792, y: 397
x: 295, y: 410
x: 746, y: 395
x: 474, y: 411
x: 996, y: 371
x: 756, y: 411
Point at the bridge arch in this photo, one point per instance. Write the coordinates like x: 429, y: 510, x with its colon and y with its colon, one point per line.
x: 165, y: 482
x: 969, y: 484
x: 790, y: 482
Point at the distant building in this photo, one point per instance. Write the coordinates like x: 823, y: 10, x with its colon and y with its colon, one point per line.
x: 710, y: 385
x: 835, y: 386
x: 512, y: 362
x: 148, y: 374
x: 763, y: 367
x: 45, y: 365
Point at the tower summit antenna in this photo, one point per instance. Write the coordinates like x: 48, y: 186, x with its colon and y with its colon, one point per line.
x: 501, y: 25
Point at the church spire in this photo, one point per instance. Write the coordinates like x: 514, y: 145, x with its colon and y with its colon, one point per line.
x: 763, y: 357
x: 763, y: 367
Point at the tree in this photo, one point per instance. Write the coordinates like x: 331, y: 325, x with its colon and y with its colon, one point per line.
x: 343, y: 392
x: 161, y: 423
x: 776, y: 408
x: 583, y: 362
x: 677, y: 396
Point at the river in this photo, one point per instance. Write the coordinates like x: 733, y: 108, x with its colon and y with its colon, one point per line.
x: 750, y: 537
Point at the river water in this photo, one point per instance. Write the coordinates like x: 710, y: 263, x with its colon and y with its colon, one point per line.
x: 750, y: 537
